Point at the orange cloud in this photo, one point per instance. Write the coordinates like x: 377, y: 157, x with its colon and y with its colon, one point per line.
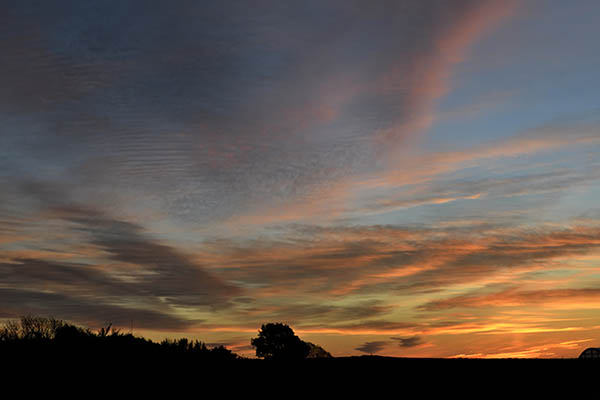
x: 338, y: 262
x: 563, y: 298
x: 430, y: 75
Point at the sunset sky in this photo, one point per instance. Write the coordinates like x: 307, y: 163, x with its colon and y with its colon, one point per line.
x: 403, y: 178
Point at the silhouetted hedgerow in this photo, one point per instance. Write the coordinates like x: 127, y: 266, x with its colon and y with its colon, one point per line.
x: 41, y: 337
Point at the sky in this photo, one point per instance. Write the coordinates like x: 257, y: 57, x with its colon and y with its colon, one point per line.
x: 403, y: 178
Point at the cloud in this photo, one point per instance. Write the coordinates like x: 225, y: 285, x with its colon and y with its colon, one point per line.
x: 431, y: 79
x: 417, y: 168
x: 86, y: 310
x: 171, y: 274
x: 339, y: 260
x: 439, y: 191
x: 530, y: 163
x: 305, y: 315
x: 65, y: 277
x: 376, y: 327
x: 515, y: 297
x: 409, y: 341
x: 372, y: 347
x: 105, y: 263
x: 209, y: 124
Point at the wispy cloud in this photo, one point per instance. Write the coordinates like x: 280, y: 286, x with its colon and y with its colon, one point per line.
x: 346, y: 259
x: 109, y: 265
x: 513, y: 297
x: 87, y: 310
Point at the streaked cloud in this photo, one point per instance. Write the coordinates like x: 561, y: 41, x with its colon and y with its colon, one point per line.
x: 513, y: 297
x: 87, y: 311
x: 346, y: 259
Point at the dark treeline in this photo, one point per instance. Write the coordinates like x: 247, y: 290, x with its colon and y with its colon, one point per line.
x: 40, y: 345
x: 36, y: 336
x: 47, y: 347
x: 42, y: 336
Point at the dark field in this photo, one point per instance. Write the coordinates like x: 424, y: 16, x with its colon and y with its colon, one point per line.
x: 370, y: 377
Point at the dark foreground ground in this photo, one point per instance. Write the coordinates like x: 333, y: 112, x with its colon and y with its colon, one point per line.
x: 354, y: 369
x: 366, y: 377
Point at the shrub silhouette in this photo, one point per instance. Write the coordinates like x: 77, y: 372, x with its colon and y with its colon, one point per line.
x: 277, y: 341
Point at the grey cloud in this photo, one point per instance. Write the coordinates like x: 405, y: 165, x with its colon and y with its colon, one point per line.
x: 173, y: 275
x: 372, y: 347
x: 163, y: 272
x: 85, y: 310
x: 408, y: 341
x: 66, y: 277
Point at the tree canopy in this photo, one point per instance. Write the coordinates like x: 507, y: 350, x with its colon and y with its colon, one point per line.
x: 277, y: 341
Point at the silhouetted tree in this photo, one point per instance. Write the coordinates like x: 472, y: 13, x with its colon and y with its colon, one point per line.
x: 277, y: 341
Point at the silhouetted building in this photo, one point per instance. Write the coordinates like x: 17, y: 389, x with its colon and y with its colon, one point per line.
x: 590, y: 353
